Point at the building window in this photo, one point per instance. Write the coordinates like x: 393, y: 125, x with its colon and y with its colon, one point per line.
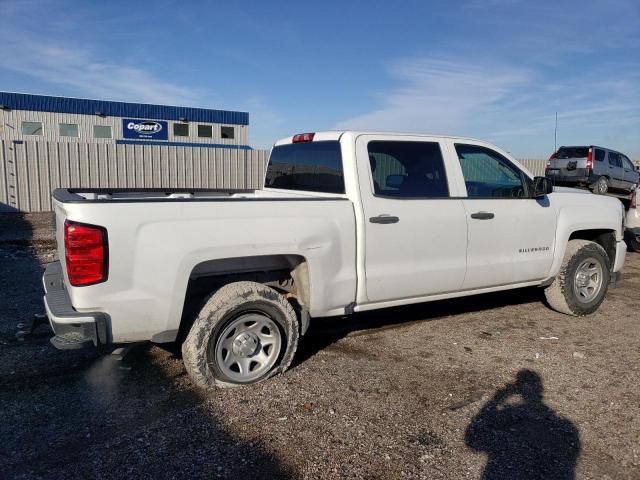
x: 32, y: 128
x: 102, y: 131
x: 227, y: 132
x: 180, y: 129
x: 205, y: 131
x: 69, y: 130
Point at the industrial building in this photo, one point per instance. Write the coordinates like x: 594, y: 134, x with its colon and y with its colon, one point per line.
x: 26, y: 117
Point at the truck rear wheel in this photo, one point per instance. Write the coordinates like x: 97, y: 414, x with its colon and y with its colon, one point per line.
x: 245, y: 333
x: 583, y: 280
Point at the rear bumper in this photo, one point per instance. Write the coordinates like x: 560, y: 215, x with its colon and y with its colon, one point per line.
x: 579, y: 177
x: 77, y: 327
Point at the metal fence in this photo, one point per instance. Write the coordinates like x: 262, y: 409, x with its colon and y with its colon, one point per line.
x: 534, y: 165
x: 29, y: 171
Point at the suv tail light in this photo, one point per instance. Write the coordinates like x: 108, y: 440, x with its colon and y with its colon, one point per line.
x: 303, y: 137
x: 590, y: 159
x: 553, y: 155
x: 633, y: 200
x: 86, y: 253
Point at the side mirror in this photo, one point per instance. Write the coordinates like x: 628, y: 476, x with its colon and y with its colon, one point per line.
x: 542, y: 186
x: 395, y: 181
x: 637, y: 168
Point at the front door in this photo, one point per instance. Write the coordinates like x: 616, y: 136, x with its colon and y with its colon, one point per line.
x: 511, y: 236
x: 415, y: 235
x: 630, y: 174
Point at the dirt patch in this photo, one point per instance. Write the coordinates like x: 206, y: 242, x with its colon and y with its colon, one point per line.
x: 496, y: 384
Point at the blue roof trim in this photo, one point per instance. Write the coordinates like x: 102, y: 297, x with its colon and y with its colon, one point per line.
x: 45, y: 103
x: 182, y: 144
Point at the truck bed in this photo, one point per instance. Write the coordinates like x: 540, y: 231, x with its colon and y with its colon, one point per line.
x: 158, y: 239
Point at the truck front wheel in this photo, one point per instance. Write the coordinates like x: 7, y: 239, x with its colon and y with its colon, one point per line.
x: 583, y: 280
x: 246, y: 332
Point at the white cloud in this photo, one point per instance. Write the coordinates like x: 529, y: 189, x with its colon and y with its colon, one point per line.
x: 438, y: 96
x: 508, y: 105
x: 81, y: 69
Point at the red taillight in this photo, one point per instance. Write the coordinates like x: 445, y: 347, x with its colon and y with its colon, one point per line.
x: 553, y: 155
x: 303, y: 137
x: 633, y: 200
x: 86, y: 253
x: 590, y: 159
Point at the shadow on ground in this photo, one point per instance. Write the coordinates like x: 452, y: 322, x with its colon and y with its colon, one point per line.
x: 523, y: 437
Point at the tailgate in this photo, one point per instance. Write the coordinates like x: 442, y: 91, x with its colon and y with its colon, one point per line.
x: 568, y: 164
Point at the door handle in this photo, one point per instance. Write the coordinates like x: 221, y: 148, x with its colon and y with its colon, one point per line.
x: 384, y: 219
x: 482, y: 215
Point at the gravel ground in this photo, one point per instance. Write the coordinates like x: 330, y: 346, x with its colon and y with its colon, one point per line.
x: 496, y: 385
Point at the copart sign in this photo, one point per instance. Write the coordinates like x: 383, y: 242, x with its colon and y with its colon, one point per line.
x: 147, y: 129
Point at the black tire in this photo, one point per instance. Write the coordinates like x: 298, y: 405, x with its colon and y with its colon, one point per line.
x: 222, y: 308
x: 633, y: 244
x: 601, y: 186
x: 561, y: 294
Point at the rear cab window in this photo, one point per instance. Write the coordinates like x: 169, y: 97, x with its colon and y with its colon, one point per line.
x: 307, y: 166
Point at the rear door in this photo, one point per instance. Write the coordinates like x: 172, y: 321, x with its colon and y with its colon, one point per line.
x: 616, y: 172
x: 415, y: 233
x: 511, y: 235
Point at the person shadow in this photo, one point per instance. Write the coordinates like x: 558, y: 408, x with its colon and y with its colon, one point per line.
x: 523, y: 437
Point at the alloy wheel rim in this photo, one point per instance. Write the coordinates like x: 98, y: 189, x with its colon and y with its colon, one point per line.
x: 587, y: 281
x: 248, y: 347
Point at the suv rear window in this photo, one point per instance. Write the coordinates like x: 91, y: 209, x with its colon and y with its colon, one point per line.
x: 311, y: 166
x: 572, y: 152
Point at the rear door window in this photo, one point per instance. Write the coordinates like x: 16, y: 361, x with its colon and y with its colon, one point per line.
x: 572, y: 152
x: 407, y: 169
x: 310, y: 166
x: 614, y: 159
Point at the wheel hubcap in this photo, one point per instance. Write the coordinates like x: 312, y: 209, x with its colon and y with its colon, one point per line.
x: 603, y: 185
x: 247, y: 348
x: 245, y: 344
x: 587, y: 282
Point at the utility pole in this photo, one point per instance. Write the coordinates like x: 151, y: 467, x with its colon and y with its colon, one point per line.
x: 555, y: 135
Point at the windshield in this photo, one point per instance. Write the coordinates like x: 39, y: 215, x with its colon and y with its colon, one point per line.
x: 311, y: 166
x: 572, y: 152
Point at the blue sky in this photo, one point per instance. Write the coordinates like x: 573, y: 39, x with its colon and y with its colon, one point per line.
x: 493, y: 69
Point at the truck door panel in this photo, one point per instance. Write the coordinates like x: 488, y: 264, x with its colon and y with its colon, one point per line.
x: 415, y: 234
x: 510, y: 236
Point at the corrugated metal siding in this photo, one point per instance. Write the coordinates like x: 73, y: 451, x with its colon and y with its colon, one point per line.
x: 29, y: 171
x: 45, y: 103
x: 11, y: 121
x: 534, y: 165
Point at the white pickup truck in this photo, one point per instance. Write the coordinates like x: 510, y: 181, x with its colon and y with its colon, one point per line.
x: 347, y: 222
